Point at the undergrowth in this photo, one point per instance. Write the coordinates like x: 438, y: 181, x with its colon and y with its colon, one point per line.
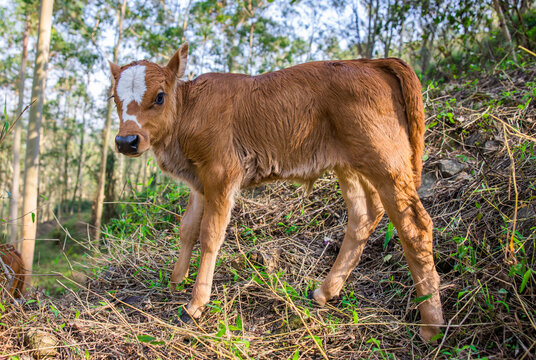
x: 479, y: 187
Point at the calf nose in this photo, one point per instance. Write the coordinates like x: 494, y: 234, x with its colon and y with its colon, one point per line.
x: 127, y: 144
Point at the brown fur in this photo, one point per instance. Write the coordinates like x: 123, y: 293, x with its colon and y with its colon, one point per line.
x: 222, y: 132
x: 13, y: 280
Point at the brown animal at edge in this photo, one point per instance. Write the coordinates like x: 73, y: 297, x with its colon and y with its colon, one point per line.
x: 11, y: 271
x: 219, y: 133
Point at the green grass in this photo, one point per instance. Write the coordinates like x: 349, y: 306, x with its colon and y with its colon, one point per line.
x: 64, y: 256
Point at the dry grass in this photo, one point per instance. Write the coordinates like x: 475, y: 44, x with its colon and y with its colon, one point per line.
x: 281, y: 244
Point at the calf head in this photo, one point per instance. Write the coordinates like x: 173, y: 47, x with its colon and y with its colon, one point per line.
x: 145, y: 95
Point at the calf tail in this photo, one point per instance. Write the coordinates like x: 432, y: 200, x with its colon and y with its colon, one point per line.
x: 412, y: 95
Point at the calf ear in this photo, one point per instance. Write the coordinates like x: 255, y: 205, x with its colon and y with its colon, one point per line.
x: 177, y: 64
x: 115, y: 69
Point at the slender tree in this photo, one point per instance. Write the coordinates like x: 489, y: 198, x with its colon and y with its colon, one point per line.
x: 80, y: 158
x: 504, y: 27
x: 15, y: 183
x: 97, y: 217
x: 31, y: 167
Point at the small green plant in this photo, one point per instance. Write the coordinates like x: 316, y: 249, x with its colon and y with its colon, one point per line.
x: 215, y: 306
x: 465, y: 254
x: 349, y: 300
x: 376, y: 348
x: 288, y: 229
x: 230, y: 336
x: 248, y: 234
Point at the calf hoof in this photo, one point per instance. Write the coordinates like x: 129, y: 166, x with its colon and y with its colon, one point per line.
x: 317, y: 297
x: 428, y: 334
x: 185, y: 318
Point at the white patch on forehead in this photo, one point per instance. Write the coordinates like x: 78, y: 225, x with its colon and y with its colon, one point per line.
x: 131, y: 87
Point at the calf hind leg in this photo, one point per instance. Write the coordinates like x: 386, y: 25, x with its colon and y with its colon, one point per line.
x: 414, y: 227
x: 364, y: 213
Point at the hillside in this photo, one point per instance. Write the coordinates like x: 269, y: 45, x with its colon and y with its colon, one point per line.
x: 479, y: 187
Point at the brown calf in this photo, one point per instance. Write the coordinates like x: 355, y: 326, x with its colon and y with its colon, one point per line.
x: 11, y: 271
x: 222, y: 132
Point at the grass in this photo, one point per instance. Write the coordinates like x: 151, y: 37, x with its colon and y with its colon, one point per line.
x: 61, y: 252
x: 485, y: 237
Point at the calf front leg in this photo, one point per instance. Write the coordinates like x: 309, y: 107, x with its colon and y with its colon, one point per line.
x: 188, y: 234
x: 216, y: 215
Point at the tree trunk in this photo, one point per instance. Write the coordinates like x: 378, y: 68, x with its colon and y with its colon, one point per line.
x: 134, y: 184
x: 120, y: 177
x: 359, y: 45
x: 144, y: 181
x: 65, y: 181
x: 427, y: 44
x: 389, y: 26
x: 97, y: 217
x: 15, y: 184
x: 369, y: 31
x: 401, y: 40
x: 185, y: 22
x: 374, y: 28
x: 312, y: 37
x: 80, y: 160
x: 504, y: 27
x: 250, y: 54
x: 31, y: 166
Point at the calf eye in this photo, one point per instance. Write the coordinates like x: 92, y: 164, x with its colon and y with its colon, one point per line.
x: 159, y: 98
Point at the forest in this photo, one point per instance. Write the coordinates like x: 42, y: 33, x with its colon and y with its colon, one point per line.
x: 98, y: 232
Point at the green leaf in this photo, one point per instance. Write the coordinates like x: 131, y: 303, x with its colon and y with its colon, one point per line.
x: 355, y: 316
x: 318, y: 340
x: 33, y: 217
x: 222, y: 330
x: 389, y: 233
x: 436, y: 337
x: 296, y: 355
x: 420, y: 299
x: 374, y: 341
x: 526, y: 278
x: 2, y: 308
x: 86, y: 354
x: 145, y: 338
x: 503, y: 303
x: 55, y: 311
